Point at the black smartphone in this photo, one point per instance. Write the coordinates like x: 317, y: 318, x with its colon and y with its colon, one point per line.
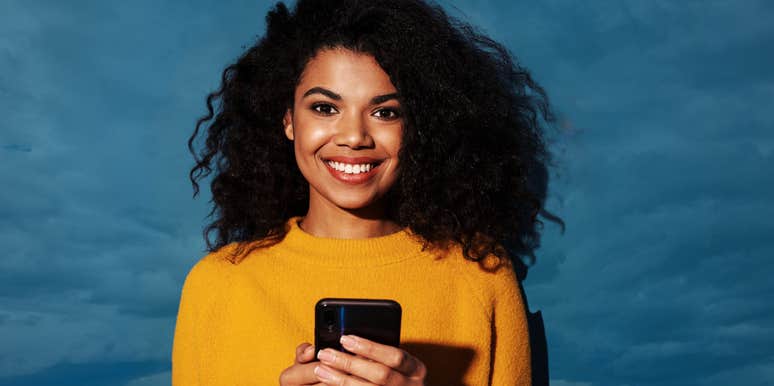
x: 374, y: 319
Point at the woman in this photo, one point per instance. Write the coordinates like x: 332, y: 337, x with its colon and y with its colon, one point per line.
x: 365, y: 149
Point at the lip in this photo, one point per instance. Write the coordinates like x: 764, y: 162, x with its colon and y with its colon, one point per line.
x: 353, y: 179
x: 353, y: 160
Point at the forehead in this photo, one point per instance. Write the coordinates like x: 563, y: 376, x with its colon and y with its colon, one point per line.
x: 345, y: 72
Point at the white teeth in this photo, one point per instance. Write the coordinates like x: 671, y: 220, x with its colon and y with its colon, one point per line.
x: 351, y: 168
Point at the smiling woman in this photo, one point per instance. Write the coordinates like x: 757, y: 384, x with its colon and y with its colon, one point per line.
x: 347, y: 130
x: 376, y: 150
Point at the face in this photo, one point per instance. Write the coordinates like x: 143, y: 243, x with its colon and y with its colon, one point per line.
x: 346, y: 125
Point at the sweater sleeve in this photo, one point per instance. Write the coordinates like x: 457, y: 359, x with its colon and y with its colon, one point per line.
x: 511, y: 352
x: 186, y: 358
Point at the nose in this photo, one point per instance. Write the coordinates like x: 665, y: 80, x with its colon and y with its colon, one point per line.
x: 353, y: 132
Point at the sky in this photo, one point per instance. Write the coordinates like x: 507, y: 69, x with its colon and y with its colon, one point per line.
x: 663, y: 178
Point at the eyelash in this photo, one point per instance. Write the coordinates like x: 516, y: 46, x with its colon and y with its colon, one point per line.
x: 395, y: 112
x: 318, y: 105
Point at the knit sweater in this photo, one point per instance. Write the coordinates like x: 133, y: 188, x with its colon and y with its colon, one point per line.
x: 239, y: 324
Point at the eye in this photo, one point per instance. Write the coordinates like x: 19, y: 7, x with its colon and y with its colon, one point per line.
x: 387, y: 114
x: 324, y: 108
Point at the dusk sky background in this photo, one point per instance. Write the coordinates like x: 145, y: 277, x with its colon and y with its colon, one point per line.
x: 664, y: 179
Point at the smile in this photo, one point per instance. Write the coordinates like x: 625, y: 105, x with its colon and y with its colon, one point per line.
x: 352, y: 170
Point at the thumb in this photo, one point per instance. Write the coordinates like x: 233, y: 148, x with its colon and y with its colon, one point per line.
x: 304, y: 352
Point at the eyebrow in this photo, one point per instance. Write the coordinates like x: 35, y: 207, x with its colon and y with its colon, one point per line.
x: 330, y: 94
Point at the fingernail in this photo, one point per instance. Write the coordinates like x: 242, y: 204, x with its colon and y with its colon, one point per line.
x: 308, y: 350
x: 348, y: 342
x: 325, y: 356
x: 322, y: 373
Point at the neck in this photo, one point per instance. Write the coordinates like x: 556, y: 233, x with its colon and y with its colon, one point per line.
x: 334, y: 222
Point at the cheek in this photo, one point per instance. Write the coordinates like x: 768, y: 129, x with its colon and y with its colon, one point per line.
x: 391, y: 141
x: 298, y: 150
x: 309, y: 139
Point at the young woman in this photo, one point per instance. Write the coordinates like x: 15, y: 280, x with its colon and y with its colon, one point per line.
x: 365, y: 149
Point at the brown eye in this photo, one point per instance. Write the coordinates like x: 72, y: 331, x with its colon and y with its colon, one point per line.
x: 387, y: 114
x: 324, y: 109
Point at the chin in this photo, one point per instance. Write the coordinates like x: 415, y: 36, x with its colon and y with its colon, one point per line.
x: 355, y: 202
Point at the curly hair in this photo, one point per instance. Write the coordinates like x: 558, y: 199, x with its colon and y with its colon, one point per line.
x: 472, y: 146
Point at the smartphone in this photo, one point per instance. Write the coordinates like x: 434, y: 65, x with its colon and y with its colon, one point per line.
x: 377, y: 320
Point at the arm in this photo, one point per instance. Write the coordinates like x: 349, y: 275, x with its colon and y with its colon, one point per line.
x: 511, y: 359
x: 185, y: 356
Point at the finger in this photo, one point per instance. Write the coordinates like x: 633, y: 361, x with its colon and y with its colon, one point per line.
x: 331, y: 376
x: 361, y: 367
x: 390, y: 356
x: 304, y: 353
x: 299, y: 374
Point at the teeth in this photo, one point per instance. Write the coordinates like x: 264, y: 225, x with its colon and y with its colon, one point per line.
x: 351, y: 168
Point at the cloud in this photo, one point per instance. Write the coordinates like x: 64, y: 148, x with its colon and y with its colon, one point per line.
x: 160, y: 379
x: 665, y: 191
x: 96, y: 223
x: 562, y: 382
x: 48, y: 334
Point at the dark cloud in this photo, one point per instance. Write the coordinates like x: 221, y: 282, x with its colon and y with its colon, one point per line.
x: 91, y: 374
x: 661, y: 273
x: 97, y: 222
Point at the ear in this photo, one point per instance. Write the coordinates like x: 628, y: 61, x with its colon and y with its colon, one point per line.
x: 287, y: 121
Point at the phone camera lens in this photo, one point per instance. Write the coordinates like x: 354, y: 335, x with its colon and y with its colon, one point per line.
x: 329, y: 316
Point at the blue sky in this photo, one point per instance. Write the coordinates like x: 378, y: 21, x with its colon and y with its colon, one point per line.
x: 664, y: 156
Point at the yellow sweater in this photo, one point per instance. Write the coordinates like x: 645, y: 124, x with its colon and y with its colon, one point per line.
x: 239, y: 324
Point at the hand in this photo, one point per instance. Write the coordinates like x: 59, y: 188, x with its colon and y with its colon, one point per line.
x: 374, y: 364
x: 301, y: 372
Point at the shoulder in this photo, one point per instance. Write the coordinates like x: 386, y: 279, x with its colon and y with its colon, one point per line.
x: 213, y: 270
x: 489, y: 268
x: 491, y: 277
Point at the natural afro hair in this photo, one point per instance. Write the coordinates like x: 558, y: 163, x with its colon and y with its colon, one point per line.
x: 474, y: 123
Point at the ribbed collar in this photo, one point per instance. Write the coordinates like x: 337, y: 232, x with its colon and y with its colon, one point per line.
x: 332, y: 252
